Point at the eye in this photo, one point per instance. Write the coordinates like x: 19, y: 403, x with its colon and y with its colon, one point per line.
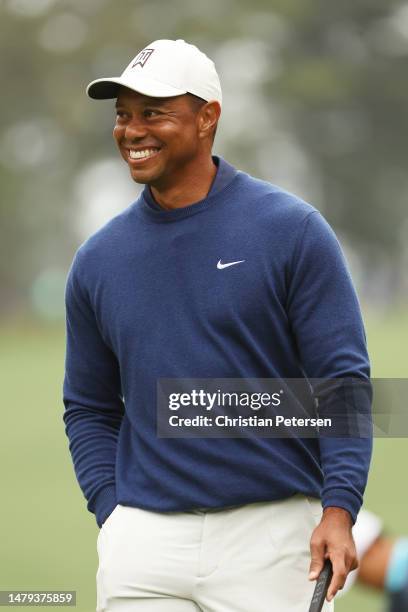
x: 120, y: 114
x: 150, y: 112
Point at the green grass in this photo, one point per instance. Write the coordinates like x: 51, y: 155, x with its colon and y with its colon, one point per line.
x: 387, y: 337
x: 48, y: 539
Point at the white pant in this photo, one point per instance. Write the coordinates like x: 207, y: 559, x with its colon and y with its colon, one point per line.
x: 251, y: 558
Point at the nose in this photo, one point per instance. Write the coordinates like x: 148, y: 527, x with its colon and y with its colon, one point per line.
x: 135, y: 130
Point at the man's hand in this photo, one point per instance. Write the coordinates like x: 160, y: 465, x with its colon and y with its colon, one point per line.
x: 332, y: 539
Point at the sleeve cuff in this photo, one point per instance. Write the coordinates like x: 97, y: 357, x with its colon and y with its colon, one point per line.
x: 105, y: 502
x: 342, y: 498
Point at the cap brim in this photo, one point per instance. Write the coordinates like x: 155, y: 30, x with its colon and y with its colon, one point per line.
x: 104, y: 89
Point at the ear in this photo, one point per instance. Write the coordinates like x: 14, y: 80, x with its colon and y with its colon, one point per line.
x: 208, y: 118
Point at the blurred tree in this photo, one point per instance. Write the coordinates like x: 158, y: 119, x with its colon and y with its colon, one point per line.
x: 315, y: 98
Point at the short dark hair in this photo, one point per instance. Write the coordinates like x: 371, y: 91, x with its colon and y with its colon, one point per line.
x: 196, y: 104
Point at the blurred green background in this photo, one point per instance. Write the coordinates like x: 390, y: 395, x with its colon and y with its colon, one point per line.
x: 315, y: 99
x: 48, y: 539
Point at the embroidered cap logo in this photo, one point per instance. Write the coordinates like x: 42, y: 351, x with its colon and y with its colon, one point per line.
x: 142, y: 58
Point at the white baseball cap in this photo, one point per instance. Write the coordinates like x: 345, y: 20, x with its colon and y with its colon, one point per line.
x: 163, y: 69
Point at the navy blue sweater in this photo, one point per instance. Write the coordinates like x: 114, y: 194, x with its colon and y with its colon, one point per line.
x: 145, y: 300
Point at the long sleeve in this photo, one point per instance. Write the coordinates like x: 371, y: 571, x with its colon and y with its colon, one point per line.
x: 329, y: 332
x: 92, y: 398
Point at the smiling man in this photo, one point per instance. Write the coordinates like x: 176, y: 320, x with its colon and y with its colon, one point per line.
x: 211, y: 273
x: 157, y: 137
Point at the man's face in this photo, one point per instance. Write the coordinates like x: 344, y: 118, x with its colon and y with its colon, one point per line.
x: 157, y: 137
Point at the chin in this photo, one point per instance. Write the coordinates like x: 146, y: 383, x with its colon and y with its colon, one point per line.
x: 144, y: 178
x: 139, y: 180
x: 148, y: 177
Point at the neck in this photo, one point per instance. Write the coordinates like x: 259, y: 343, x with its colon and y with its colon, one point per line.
x: 192, y: 186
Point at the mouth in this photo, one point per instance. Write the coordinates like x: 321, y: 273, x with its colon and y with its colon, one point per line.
x: 137, y: 157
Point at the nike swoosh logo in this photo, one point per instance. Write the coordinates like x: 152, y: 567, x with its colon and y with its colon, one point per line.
x: 221, y: 266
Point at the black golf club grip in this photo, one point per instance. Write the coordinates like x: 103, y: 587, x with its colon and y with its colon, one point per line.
x: 322, y: 584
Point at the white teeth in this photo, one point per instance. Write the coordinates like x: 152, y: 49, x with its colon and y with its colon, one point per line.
x: 141, y: 154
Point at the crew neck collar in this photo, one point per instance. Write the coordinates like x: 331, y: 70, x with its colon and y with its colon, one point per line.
x: 226, y: 173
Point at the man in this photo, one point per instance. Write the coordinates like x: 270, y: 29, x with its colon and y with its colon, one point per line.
x: 211, y: 273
